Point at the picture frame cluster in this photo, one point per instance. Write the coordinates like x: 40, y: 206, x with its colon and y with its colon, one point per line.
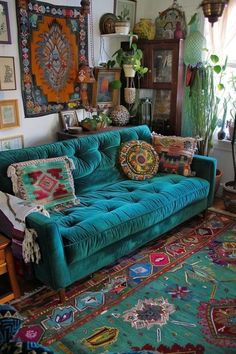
x: 9, y: 112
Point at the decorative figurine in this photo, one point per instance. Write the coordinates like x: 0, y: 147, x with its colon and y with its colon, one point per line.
x: 85, y: 7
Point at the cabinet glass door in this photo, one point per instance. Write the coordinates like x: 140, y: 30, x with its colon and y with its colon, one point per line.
x: 161, y: 112
x: 162, y: 66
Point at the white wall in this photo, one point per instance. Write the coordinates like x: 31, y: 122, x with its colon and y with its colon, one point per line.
x: 151, y: 8
x: 43, y: 129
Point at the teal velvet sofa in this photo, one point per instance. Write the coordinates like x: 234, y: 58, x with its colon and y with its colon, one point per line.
x: 116, y: 215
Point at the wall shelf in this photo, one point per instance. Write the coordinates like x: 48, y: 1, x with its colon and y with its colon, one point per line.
x: 114, y: 35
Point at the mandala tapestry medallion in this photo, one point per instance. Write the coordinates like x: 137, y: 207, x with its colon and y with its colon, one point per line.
x: 52, y: 44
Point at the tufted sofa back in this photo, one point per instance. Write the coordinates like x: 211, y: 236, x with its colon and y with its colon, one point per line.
x: 95, y: 157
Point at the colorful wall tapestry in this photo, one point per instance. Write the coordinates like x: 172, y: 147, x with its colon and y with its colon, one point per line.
x: 52, y: 43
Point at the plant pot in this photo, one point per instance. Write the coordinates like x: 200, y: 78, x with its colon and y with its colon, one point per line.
x: 221, y: 134
x: 128, y: 70
x: 219, y: 175
x: 231, y: 130
x: 145, y: 29
x: 229, y: 196
x: 122, y: 27
x: 130, y: 93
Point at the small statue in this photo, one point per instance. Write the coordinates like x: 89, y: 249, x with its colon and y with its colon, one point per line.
x: 178, y: 33
x: 85, y: 7
x: 85, y: 74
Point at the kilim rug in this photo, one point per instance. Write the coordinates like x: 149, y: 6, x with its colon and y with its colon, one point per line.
x: 176, y: 295
x: 52, y: 43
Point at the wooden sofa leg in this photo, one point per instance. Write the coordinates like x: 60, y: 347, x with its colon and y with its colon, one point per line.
x: 62, y: 295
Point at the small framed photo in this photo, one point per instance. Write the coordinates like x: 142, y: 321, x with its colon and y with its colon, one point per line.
x: 5, y: 35
x: 103, y: 93
x: 9, y: 114
x: 69, y: 119
x: 130, y: 5
x: 11, y: 142
x: 7, y: 74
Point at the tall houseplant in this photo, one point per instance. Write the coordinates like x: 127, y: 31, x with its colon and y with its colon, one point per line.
x: 205, y: 101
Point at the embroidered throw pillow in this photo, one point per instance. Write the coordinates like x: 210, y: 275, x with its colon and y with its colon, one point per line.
x: 175, y: 153
x: 46, y: 181
x: 138, y: 160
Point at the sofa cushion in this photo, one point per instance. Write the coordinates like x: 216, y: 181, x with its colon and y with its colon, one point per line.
x: 138, y: 160
x: 125, y: 208
x: 175, y: 153
x: 45, y: 181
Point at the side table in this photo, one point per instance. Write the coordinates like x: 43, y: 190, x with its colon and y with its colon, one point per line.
x: 7, y: 267
x: 62, y: 135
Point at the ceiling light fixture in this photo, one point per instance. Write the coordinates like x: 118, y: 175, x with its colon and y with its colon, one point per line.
x: 213, y: 9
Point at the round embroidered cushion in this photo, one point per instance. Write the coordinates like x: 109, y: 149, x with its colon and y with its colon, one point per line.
x: 138, y: 160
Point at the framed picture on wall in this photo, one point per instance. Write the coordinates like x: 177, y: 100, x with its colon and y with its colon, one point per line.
x: 9, y: 114
x: 130, y: 5
x: 5, y: 34
x: 7, y: 74
x: 103, y: 93
x: 11, y: 142
x: 69, y: 119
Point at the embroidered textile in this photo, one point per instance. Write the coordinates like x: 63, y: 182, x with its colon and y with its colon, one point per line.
x: 13, y: 212
x: 52, y: 44
x: 138, y: 159
x: 175, y: 153
x: 45, y: 181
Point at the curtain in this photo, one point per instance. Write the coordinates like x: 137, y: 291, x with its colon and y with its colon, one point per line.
x: 221, y: 38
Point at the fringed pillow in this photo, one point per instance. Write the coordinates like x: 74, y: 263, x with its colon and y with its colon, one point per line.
x: 175, y: 153
x: 47, y: 181
x: 138, y: 160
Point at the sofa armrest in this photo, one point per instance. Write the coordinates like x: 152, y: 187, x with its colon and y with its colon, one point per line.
x: 53, y: 268
x: 205, y: 167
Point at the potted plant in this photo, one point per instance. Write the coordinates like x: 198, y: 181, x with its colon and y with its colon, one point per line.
x: 205, y: 101
x: 122, y: 23
x: 131, y: 62
x: 205, y: 104
x: 96, y: 122
x: 127, y: 59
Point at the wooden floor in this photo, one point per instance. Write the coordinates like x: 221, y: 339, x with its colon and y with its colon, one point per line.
x: 218, y: 203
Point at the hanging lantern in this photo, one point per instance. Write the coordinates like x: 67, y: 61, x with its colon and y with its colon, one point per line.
x: 213, y: 9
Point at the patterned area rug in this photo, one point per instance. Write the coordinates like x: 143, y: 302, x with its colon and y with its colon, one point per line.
x: 176, y: 295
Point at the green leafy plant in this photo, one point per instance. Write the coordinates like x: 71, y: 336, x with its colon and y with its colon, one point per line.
x: 124, y: 15
x: 110, y: 64
x: 131, y: 56
x: 96, y: 122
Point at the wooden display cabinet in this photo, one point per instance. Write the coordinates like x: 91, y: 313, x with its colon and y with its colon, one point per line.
x: 164, y: 59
